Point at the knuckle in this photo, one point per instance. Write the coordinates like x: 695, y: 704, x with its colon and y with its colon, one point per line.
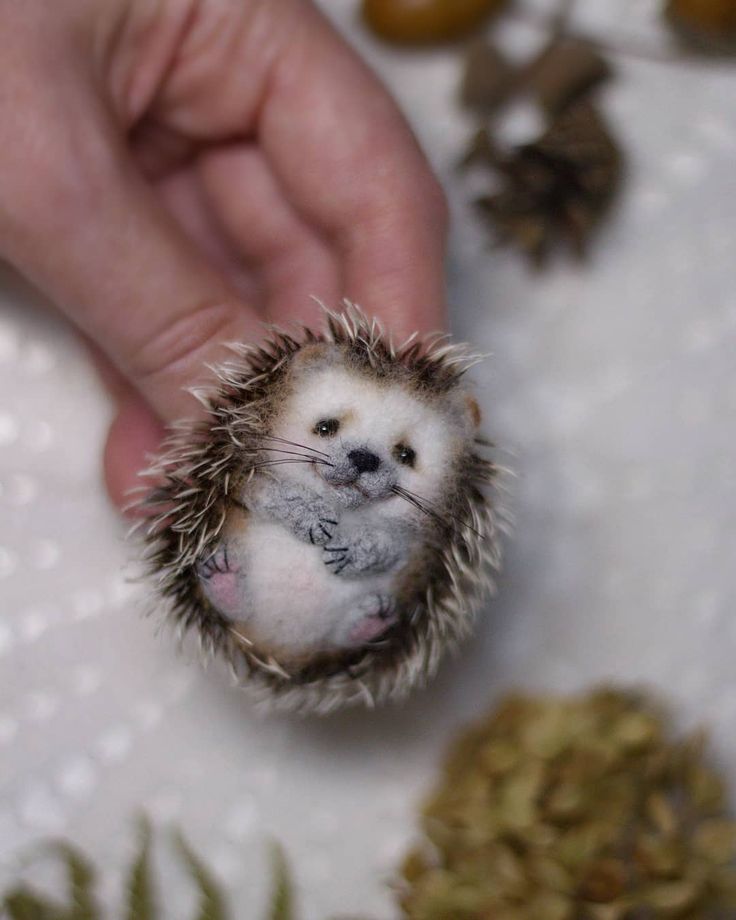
x: 178, y: 351
x: 425, y: 195
x: 419, y: 198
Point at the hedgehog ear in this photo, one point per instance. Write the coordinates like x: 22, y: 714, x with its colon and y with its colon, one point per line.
x: 473, y: 409
x: 313, y: 355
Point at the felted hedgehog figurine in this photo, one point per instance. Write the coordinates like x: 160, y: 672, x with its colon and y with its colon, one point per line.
x: 328, y: 528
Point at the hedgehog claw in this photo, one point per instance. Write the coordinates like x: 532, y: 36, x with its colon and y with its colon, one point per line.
x: 216, y: 563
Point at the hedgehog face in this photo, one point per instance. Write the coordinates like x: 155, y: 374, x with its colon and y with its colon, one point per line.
x: 370, y: 436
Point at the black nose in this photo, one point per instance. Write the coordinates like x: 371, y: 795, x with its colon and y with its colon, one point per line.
x: 364, y: 461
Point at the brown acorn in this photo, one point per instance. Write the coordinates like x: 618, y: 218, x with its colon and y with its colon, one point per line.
x: 707, y: 25
x: 426, y: 22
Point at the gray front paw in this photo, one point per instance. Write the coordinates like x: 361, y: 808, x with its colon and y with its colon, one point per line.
x: 320, y: 530
x: 305, y: 513
x: 311, y: 520
x: 363, y: 553
x: 339, y: 558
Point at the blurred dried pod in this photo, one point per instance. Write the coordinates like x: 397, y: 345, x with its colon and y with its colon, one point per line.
x: 604, y: 881
x: 557, y: 188
x: 715, y: 839
x: 488, y: 78
x: 708, y: 26
x: 427, y: 22
x: 564, y: 72
x: 545, y: 812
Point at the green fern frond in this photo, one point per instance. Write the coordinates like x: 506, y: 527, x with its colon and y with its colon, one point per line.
x: 141, y: 901
x: 281, y: 905
x: 212, y: 904
x: 81, y: 879
x: 23, y: 904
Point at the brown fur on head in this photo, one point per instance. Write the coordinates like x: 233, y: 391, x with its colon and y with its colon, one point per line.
x: 205, y: 466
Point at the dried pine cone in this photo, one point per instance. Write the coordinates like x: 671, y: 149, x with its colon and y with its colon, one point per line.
x: 558, y: 187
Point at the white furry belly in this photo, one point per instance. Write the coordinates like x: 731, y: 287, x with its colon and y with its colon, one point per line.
x: 293, y: 601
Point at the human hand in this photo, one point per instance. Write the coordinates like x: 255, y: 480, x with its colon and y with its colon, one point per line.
x: 173, y: 173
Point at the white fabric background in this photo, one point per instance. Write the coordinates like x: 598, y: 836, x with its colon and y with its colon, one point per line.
x: 612, y: 393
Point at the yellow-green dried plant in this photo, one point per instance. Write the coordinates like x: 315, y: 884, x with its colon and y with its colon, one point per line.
x: 574, y: 809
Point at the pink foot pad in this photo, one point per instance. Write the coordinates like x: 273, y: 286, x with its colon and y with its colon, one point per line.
x: 367, y: 629
x: 380, y: 618
x: 220, y: 584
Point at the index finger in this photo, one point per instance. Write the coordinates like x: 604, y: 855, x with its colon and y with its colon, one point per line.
x: 348, y: 161
x: 339, y: 150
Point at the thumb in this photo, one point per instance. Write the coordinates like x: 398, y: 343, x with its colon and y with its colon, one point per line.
x: 134, y: 435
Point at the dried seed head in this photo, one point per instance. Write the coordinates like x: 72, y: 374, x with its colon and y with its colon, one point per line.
x: 582, y: 809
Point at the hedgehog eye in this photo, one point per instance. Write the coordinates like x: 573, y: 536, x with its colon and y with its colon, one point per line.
x: 405, y: 454
x: 327, y: 427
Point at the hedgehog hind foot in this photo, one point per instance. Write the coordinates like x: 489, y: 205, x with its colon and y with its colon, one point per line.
x: 373, y: 617
x: 220, y: 581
